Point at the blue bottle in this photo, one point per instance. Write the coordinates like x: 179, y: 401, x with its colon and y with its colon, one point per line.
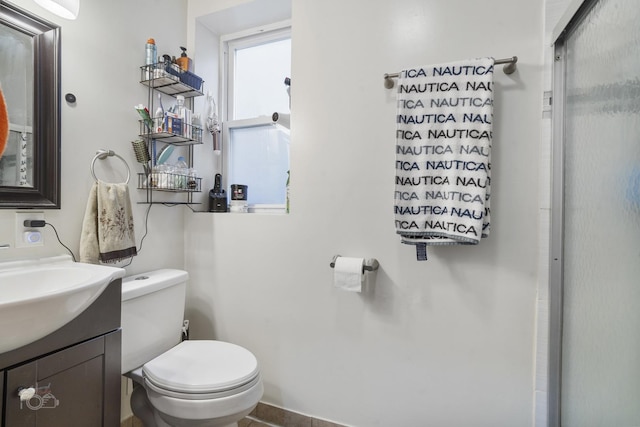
x: 151, y: 52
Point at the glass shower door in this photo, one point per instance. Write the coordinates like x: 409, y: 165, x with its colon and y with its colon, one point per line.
x: 600, y: 361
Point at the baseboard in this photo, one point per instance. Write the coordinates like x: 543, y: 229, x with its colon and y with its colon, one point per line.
x: 264, y: 413
x: 274, y: 415
x: 131, y: 421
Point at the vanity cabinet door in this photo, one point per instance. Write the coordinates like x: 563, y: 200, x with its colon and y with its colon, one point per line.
x: 1, y: 395
x: 69, y: 388
x: 16, y: 411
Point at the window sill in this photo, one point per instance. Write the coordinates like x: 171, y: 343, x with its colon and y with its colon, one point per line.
x: 260, y: 210
x: 268, y: 209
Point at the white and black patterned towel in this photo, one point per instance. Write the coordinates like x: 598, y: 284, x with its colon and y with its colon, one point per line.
x: 443, y: 153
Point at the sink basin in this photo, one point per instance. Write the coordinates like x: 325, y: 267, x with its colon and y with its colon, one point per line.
x: 39, y: 296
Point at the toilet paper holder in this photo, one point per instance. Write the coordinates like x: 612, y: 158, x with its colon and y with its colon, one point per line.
x: 370, y: 264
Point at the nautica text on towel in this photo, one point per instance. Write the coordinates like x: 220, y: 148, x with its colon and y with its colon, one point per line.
x: 444, y: 118
x: 445, y: 133
x: 453, y: 70
x: 441, y: 149
x: 443, y: 87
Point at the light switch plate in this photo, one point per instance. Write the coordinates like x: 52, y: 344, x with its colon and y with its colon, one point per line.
x: 22, y: 231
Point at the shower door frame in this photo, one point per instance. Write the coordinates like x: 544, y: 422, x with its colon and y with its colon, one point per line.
x: 574, y: 16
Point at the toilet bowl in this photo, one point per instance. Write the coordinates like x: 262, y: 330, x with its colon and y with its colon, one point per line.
x: 196, y: 383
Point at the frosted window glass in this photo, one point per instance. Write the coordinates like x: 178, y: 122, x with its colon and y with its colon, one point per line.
x: 601, y: 324
x: 259, y: 158
x: 259, y: 88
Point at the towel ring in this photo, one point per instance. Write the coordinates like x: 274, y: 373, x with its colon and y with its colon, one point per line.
x: 103, y: 154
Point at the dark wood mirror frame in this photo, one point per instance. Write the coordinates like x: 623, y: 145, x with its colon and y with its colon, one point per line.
x: 45, y: 193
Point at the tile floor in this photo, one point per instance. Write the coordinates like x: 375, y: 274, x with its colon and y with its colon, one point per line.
x: 264, y: 416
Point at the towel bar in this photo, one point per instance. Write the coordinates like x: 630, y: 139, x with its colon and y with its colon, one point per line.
x: 509, y: 68
x: 370, y: 264
x: 103, y: 154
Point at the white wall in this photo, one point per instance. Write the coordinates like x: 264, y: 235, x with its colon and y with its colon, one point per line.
x: 207, y: 163
x: 447, y: 342
x: 101, y: 54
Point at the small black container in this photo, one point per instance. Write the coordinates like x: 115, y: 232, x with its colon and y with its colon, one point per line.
x: 217, y: 201
x: 239, y: 192
x: 217, y: 196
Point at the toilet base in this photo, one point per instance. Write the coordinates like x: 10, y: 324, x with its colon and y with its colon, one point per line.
x: 142, y: 409
x: 164, y: 420
x: 150, y: 416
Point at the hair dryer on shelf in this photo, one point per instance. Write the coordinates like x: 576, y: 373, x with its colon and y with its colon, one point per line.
x: 212, y: 123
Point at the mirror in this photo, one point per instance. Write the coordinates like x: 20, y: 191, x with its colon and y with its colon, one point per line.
x: 30, y: 83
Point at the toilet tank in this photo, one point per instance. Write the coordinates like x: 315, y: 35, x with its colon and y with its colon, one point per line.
x: 152, y: 315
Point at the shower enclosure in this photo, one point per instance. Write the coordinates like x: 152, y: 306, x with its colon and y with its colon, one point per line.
x: 595, y: 255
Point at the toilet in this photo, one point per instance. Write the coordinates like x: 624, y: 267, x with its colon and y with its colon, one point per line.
x: 199, y: 383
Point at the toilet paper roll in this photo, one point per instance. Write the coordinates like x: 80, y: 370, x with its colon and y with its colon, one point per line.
x: 348, y: 274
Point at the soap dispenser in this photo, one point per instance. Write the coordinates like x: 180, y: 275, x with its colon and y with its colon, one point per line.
x: 184, y: 62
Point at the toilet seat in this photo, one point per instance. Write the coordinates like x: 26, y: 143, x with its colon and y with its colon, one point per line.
x: 202, y: 369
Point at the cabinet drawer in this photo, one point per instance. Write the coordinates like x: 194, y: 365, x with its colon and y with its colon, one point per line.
x: 65, y: 359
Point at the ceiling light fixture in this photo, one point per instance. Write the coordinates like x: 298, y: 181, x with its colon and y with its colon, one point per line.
x: 67, y: 9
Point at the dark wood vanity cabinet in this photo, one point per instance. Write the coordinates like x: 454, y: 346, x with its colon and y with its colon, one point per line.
x: 75, y: 372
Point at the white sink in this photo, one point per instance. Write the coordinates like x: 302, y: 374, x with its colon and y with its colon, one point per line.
x: 39, y: 296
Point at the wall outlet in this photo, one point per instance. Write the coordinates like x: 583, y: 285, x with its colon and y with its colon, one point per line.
x: 27, y: 237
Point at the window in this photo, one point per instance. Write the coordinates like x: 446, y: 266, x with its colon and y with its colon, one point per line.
x: 256, y: 148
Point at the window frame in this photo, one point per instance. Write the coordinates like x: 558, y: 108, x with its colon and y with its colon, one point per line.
x: 229, y: 44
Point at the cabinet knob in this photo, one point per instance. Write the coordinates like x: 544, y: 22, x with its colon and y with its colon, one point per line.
x: 25, y: 394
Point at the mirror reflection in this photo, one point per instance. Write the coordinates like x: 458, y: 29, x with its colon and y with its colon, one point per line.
x: 16, y: 84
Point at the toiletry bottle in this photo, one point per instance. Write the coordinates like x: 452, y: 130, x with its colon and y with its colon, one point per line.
x: 179, y: 105
x: 166, y: 67
x: 184, y: 61
x: 192, y: 179
x: 181, y: 111
x: 159, y: 120
x: 151, y: 52
x: 182, y: 171
x: 288, y: 180
x: 196, y: 127
x: 184, y: 114
x: 182, y: 166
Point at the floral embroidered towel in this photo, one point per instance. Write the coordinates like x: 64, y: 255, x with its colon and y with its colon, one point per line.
x: 107, y: 229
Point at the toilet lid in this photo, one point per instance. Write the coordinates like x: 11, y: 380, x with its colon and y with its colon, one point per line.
x: 202, y: 367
